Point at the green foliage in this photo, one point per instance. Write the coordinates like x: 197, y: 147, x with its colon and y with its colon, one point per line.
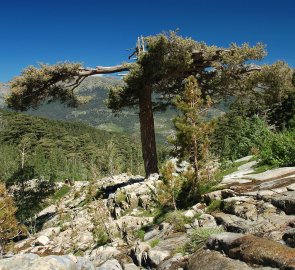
x: 59, y: 194
x: 168, y: 190
x: 262, y: 168
x: 178, y: 220
x: 140, y: 234
x: 9, y: 227
x: 215, y: 205
x: 237, y: 136
x: 56, y: 150
x: 278, y: 150
x: 199, y: 238
x: 154, y: 242
x: 168, y: 61
x: 192, y: 131
x: 46, y: 83
x: 100, y: 235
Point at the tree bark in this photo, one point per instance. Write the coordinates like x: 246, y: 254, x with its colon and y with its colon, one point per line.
x: 147, y: 130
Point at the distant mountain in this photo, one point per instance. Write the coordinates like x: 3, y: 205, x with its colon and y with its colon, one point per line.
x: 98, y: 115
x: 96, y: 112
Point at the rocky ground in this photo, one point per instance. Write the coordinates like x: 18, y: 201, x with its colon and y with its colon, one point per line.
x: 249, y: 223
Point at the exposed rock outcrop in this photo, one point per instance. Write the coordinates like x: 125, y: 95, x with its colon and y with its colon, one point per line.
x: 110, y: 225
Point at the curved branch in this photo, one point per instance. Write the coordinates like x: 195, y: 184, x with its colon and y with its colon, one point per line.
x: 102, y: 70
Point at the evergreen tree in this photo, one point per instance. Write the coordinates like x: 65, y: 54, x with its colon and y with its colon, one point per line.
x: 192, y: 130
x: 163, y: 62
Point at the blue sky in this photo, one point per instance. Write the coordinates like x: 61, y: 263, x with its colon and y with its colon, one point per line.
x: 97, y: 32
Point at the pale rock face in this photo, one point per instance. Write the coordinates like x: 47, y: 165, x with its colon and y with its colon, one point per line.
x: 157, y: 256
x: 42, y: 240
x: 189, y: 213
x: 207, y: 221
x: 254, y: 208
x: 130, y: 266
x: 110, y: 265
x: 50, y: 210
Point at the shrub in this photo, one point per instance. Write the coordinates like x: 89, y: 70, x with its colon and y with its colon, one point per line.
x: 214, y: 206
x: 59, y: 194
x: 279, y: 149
x: 237, y: 136
x: 155, y: 242
x: 178, y: 220
x: 199, y: 238
x: 140, y: 234
x: 9, y: 227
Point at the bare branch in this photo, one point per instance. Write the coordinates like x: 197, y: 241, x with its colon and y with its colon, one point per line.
x: 102, y: 70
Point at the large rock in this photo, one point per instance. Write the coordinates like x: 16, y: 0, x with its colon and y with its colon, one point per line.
x: 110, y: 265
x: 42, y: 240
x: 47, y: 212
x: 285, y: 201
x: 213, y: 260
x: 178, y: 261
x: 272, y: 174
x: 289, y: 237
x: 14, y: 263
x: 34, y: 262
x: 255, y: 250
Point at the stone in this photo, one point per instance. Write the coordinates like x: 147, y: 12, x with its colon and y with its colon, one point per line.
x: 232, y: 223
x: 139, y: 253
x: 289, y: 237
x: 223, y: 241
x: 206, y: 259
x: 207, y: 221
x: 156, y: 256
x: 291, y: 187
x: 102, y: 254
x: 189, y: 213
x: 34, y: 262
x: 272, y: 174
x: 130, y: 266
x: 49, y: 232
x: 176, y: 262
x: 285, y: 201
x: 14, y: 263
x: 132, y: 200
x: 110, y: 265
x: 144, y: 201
x: 211, y: 196
x: 84, y: 240
x: 48, y: 211
x: 255, y: 250
x: 42, y: 240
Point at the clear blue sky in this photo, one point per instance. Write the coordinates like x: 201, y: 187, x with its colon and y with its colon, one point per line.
x: 98, y: 32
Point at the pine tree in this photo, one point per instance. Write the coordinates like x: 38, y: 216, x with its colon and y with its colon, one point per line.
x: 163, y: 62
x: 170, y: 187
x: 192, y: 130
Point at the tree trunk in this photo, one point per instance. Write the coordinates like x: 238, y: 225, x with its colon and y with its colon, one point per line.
x: 147, y: 130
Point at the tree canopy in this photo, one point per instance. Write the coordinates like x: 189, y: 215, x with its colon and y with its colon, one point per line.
x: 163, y: 62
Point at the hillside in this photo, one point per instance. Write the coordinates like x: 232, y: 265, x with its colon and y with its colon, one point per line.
x: 57, y: 150
x: 99, y: 116
x: 96, y: 112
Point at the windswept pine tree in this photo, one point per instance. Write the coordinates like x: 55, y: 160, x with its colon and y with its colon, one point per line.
x: 163, y: 62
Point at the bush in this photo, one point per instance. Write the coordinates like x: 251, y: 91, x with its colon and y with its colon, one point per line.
x: 199, y: 238
x: 278, y: 150
x: 178, y: 220
x: 236, y: 136
x: 214, y: 206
